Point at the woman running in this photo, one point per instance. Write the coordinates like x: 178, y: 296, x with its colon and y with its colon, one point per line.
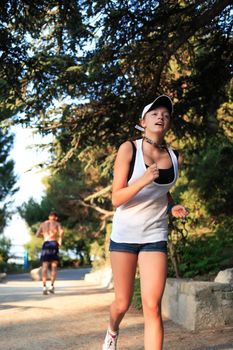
x: 144, y: 172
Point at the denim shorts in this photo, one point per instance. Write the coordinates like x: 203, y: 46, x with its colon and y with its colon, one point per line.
x: 136, y: 248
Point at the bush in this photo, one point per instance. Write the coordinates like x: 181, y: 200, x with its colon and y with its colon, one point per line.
x: 199, y: 256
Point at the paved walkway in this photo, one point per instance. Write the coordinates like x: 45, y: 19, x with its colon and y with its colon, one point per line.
x: 75, y: 318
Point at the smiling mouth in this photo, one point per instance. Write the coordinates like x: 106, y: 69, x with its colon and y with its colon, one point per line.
x: 159, y: 124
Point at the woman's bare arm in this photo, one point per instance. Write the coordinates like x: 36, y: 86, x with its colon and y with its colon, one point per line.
x: 121, y: 191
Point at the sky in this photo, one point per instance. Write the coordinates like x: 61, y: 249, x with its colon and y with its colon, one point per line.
x: 29, y: 181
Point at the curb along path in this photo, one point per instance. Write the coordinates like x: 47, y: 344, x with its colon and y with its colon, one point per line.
x: 75, y: 318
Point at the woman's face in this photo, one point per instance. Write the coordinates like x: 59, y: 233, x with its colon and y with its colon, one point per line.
x: 157, y: 120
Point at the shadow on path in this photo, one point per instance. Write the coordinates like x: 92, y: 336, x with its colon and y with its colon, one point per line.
x: 227, y: 346
x: 62, y: 275
x: 35, y: 293
x: 23, y: 308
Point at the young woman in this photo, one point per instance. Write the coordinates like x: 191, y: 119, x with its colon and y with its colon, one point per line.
x: 144, y: 172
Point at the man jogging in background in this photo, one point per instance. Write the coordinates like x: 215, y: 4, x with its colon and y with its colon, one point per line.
x: 52, y: 232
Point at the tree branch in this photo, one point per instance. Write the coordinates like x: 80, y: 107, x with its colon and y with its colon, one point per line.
x: 99, y: 193
x: 185, y: 33
x: 107, y: 213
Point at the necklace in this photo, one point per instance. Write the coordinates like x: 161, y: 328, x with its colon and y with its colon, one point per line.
x: 160, y: 146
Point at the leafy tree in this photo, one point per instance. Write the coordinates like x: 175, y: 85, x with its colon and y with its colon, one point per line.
x: 33, y: 212
x: 215, y: 187
x: 7, y: 177
x: 66, y: 193
x: 33, y: 247
x: 111, y: 56
x: 5, y: 245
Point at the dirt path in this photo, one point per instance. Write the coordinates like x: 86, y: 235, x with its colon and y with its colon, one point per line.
x: 75, y: 318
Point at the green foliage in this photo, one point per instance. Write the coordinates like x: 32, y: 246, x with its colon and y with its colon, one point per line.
x: 197, y: 247
x: 33, y: 247
x: 213, y: 175
x: 7, y: 177
x: 111, y: 58
x: 100, y: 250
x: 204, y: 254
x: 5, y: 246
x: 137, y: 300
x: 225, y: 117
x: 33, y: 212
x: 77, y: 243
x: 33, y: 37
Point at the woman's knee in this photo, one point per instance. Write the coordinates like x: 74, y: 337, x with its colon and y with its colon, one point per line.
x: 122, y: 305
x: 151, y: 307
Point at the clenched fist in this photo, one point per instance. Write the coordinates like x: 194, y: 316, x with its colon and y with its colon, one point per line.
x: 152, y: 173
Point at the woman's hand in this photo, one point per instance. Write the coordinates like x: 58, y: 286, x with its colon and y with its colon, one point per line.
x: 178, y: 211
x: 152, y: 173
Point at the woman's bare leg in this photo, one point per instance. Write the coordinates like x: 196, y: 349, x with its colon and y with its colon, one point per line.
x: 153, y: 272
x: 124, y: 268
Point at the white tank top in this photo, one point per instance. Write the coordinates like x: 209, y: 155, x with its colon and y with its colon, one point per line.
x: 144, y: 219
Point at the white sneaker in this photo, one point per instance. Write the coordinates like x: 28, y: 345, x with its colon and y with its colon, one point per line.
x: 110, y: 341
x: 45, y: 291
x: 51, y: 289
